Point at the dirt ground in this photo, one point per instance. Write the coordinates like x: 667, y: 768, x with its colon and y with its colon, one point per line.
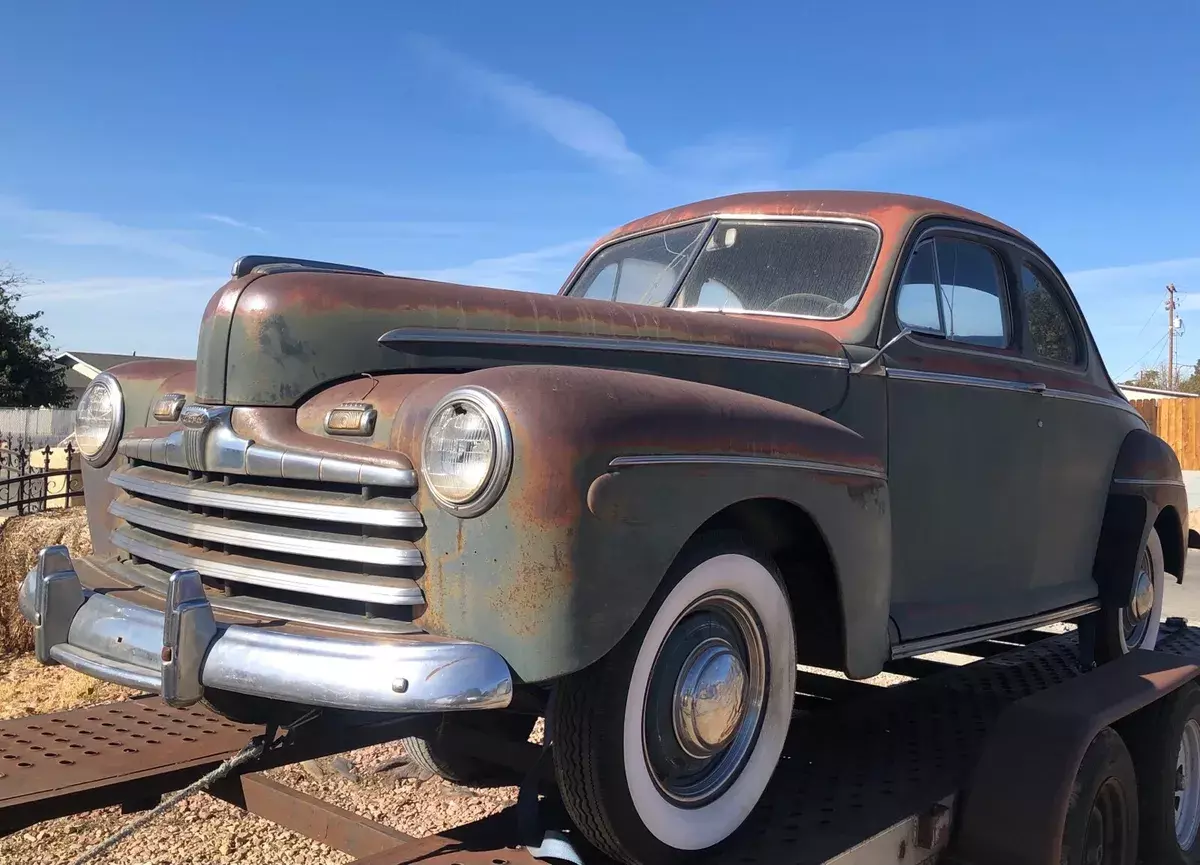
x: 203, y: 829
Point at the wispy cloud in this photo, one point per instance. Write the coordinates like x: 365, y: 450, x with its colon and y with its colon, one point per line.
x: 883, y: 154
x: 574, y: 124
x: 231, y: 222
x: 68, y: 228
x: 538, y: 270
x: 1130, y: 278
x: 98, y: 287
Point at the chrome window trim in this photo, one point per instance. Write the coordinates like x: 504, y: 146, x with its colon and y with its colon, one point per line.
x: 397, y: 591
x: 739, y: 460
x: 401, y: 335
x: 404, y: 515
x: 277, y: 539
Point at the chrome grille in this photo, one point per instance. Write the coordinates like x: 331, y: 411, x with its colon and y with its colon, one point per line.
x: 278, y: 524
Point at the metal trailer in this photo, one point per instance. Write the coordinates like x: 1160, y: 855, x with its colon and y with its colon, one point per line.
x: 1024, y: 756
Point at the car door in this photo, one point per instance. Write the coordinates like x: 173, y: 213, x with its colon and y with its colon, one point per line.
x: 1084, y: 423
x: 963, y: 447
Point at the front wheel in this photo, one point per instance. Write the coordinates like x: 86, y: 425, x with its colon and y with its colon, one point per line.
x: 1129, y: 616
x: 666, y: 744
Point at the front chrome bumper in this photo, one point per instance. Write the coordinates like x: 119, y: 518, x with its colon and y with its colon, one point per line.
x: 184, y: 650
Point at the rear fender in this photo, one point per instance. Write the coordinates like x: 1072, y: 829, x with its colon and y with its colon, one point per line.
x: 1146, y: 492
x: 612, y: 473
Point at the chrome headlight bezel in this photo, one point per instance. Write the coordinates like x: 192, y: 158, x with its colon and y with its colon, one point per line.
x: 502, y: 451
x: 109, y: 447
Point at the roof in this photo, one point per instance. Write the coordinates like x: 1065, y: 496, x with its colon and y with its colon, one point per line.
x: 876, y: 206
x: 1133, y: 388
x: 97, y: 361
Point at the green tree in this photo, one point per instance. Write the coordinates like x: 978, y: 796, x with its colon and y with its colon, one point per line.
x: 29, y: 377
x: 1190, y: 384
x: 1152, y: 377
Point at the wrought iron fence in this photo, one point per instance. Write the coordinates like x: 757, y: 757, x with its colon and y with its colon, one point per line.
x: 34, y: 478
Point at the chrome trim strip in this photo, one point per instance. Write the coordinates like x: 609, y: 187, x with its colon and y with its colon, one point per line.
x: 1140, y: 482
x: 279, y: 539
x: 401, y: 335
x: 737, y: 460
x: 989, y: 632
x: 397, y: 591
x: 961, y: 380
x: 209, y: 443
x: 403, y: 514
x: 118, y: 641
x: 1092, y: 399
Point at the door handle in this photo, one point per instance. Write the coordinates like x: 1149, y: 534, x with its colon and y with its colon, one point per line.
x: 1038, y: 387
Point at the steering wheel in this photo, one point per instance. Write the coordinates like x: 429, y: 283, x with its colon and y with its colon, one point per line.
x: 804, y: 303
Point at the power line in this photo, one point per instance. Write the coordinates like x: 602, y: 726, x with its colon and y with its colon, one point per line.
x: 1162, y: 339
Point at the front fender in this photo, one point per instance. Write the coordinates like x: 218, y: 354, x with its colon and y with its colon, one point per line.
x: 602, y: 496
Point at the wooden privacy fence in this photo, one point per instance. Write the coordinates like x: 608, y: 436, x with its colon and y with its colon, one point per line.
x: 1177, y: 422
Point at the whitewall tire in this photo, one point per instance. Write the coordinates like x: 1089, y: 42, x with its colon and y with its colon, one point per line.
x: 665, y: 746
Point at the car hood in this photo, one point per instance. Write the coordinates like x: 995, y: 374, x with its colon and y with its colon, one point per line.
x: 274, y: 339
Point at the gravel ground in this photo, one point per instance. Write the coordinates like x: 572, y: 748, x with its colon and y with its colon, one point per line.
x: 204, y: 829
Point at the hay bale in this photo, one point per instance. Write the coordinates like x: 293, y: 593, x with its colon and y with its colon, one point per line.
x: 21, y: 539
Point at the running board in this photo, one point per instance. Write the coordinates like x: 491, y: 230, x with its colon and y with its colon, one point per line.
x: 990, y: 632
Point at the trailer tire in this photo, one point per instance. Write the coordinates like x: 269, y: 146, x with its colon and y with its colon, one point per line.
x: 664, y: 746
x: 436, y: 757
x: 1164, y: 740
x: 1119, y: 632
x: 1102, y: 815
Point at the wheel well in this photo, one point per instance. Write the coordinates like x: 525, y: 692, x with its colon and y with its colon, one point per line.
x: 1170, y: 532
x: 790, y: 536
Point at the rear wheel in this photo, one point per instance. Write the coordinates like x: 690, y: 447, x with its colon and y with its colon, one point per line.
x: 1102, y: 817
x: 1165, y: 741
x: 1130, y: 613
x: 666, y: 744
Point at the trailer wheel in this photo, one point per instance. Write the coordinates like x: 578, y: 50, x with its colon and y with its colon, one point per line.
x: 438, y: 757
x: 1129, y: 614
x: 1165, y: 742
x: 1102, y: 818
x: 664, y: 746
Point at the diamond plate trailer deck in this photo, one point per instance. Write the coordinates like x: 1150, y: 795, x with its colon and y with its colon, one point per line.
x: 895, y: 770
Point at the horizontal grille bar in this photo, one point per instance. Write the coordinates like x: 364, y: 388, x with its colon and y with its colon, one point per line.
x: 251, y: 498
x: 244, y: 569
x: 154, y: 580
x: 279, y: 539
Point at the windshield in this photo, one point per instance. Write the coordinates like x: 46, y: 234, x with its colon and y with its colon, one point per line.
x: 814, y: 269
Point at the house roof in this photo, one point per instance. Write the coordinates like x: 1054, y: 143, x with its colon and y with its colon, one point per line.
x: 96, y: 360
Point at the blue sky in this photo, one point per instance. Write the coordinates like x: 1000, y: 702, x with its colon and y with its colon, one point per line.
x: 143, y: 147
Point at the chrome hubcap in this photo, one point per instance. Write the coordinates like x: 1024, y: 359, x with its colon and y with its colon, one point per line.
x: 709, y: 698
x: 705, y: 699
x: 1187, y: 786
x: 1136, y: 615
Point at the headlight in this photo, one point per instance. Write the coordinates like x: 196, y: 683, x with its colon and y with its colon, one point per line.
x: 467, y: 452
x: 99, y: 419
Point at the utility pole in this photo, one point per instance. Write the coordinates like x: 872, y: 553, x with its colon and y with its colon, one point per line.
x: 1171, y: 325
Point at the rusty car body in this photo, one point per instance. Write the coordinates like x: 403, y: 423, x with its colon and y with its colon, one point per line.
x: 926, y: 454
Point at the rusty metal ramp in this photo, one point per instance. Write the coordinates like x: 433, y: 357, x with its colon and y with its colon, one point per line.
x: 126, y: 752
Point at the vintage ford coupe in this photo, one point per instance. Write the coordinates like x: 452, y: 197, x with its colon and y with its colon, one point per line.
x: 826, y: 428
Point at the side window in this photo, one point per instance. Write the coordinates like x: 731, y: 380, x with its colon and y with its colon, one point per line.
x: 972, y: 287
x: 954, y: 288
x: 1050, y: 329
x: 604, y: 284
x: 917, y: 305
